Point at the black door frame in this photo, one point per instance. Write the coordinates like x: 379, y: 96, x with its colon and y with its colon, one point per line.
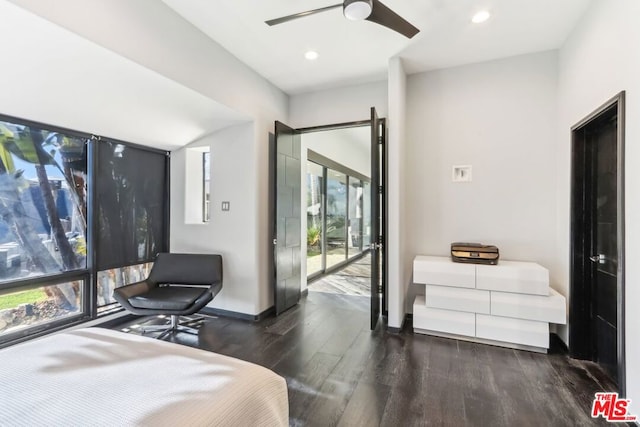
x: 382, y: 237
x: 580, y: 346
x: 376, y: 220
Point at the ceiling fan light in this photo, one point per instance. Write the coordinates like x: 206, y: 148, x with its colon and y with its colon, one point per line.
x: 357, y: 10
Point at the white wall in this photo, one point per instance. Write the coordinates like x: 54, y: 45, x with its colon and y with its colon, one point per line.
x: 153, y: 35
x: 346, y: 104
x: 399, y: 264
x: 54, y: 76
x: 499, y: 117
x: 600, y: 58
x: 351, y: 147
x: 229, y: 233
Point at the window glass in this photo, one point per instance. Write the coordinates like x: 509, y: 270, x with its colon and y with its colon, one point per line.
x: 206, y: 186
x: 44, y: 221
x: 108, y: 280
x: 314, y: 218
x: 355, y: 216
x: 336, y: 231
x: 42, y: 202
x: 366, y: 215
x: 24, y: 308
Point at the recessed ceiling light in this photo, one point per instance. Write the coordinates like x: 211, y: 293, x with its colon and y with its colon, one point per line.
x: 311, y: 55
x: 481, y: 16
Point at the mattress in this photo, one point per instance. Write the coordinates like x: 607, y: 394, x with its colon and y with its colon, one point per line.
x: 100, y: 377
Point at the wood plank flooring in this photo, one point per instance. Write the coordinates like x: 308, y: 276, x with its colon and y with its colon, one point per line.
x: 341, y: 373
x: 354, y: 279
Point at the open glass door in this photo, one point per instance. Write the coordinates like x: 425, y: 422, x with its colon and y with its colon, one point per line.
x: 287, y: 236
x: 363, y: 234
x: 374, y: 219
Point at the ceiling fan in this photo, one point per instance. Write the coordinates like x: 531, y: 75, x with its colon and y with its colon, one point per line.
x: 357, y: 10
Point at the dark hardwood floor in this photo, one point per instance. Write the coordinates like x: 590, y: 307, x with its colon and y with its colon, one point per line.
x: 341, y: 373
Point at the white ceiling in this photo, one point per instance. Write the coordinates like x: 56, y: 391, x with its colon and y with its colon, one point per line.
x: 51, y: 75
x: 357, y: 52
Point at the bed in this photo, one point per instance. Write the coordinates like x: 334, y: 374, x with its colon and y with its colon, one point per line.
x: 101, y: 377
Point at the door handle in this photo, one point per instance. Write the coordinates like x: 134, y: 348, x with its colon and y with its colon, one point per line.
x: 600, y: 258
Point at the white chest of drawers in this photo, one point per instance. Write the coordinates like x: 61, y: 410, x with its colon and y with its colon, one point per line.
x: 509, y: 304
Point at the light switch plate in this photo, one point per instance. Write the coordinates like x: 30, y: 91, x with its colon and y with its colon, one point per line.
x: 226, y: 206
x: 461, y: 173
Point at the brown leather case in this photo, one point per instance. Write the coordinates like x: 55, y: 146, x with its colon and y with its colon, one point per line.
x: 474, y: 253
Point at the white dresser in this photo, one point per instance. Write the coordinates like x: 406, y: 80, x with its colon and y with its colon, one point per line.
x: 509, y: 304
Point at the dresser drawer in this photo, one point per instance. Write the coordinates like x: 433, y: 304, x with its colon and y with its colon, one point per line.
x: 459, y: 299
x: 551, y: 308
x: 432, y: 270
x: 437, y: 320
x: 509, y: 330
x: 513, y: 276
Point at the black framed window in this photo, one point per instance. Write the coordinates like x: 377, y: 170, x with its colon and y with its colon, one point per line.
x: 43, y: 227
x: 59, y: 189
x: 32, y: 308
x: 206, y: 186
x: 43, y: 207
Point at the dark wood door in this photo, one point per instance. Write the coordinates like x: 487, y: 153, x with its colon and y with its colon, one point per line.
x: 596, y: 328
x: 602, y: 150
x: 376, y: 211
x: 287, y: 239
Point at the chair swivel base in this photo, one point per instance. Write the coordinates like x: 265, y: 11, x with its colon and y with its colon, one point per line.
x: 175, y: 326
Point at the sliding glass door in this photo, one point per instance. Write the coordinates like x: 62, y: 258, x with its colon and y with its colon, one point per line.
x: 315, y: 218
x: 337, y: 212
x: 355, y: 217
x: 366, y: 215
x: 336, y: 225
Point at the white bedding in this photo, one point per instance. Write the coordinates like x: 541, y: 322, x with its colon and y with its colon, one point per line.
x: 100, y: 377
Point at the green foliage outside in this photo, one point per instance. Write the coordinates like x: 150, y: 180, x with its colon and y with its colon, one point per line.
x: 313, y: 236
x: 24, y: 297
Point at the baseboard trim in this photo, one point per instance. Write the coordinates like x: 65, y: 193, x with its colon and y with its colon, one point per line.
x: 236, y: 315
x: 556, y: 342
x: 480, y: 340
x: 398, y: 330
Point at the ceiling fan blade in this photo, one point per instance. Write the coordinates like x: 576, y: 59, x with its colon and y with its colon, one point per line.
x: 381, y: 14
x: 301, y: 15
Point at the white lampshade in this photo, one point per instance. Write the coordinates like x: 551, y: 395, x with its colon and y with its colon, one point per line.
x: 357, y: 10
